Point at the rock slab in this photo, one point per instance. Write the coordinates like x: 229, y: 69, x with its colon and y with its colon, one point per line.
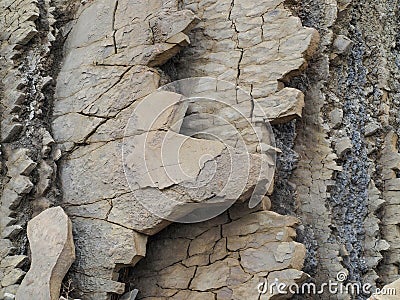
x: 53, y: 252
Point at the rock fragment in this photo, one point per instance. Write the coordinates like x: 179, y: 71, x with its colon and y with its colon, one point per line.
x: 342, y: 44
x: 53, y: 251
x: 371, y: 128
x: 342, y: 145
x: 336, y: 117
x: 130, y: 295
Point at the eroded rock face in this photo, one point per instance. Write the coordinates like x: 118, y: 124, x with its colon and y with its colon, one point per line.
x: 223, y: 258
x: 257, y: 45
x: 108, y: 59
x: 107, y: 70
x: 52, y: 253
x: 344, y: 187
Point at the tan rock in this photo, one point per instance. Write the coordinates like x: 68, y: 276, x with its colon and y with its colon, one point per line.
x: 273, y: 256
x: 219, y: 274
x: 53, y: 251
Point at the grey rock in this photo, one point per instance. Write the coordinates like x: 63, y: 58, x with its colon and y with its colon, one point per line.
x: 12, y: 276
x: 14, y: 261
x: 11, y: 232
x: 336, y: 117
x: 130, y: 295
x: 371, y: 128
x: 342, y: 145
x: 342, y: 44
x: 20, y: 184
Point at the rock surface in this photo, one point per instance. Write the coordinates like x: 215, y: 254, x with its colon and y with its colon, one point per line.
x: 72, y: 73
x: 223, y: 258
x: 52, y: 253
x: 111, y: 60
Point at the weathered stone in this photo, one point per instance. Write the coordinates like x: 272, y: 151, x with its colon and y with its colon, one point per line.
x: 342, y: 44
x: 115, y: 245
x: 282, y: 106
x: 10, y: 198
x: 181, y: 295
x: 11, y: 231
x: 15, y: 261
x: 20, y: 164
x: 217, y: 275
x: 10, y: 131
x: 336, y: 117
x: 342, y: 145
x: 20, y: 184
x: 6, y: 247
x: 130, y: 295
x: 12, y: 276
x: 371, y: 128
x: 257, y: 222
x: 53, y: 251
x: 181, y: 279
x: 204, y: 242
x: 276, y: 256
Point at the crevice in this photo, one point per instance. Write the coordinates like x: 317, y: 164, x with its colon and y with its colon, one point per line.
x: 113, y: 27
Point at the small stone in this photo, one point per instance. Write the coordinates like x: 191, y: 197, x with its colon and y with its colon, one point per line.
x: 45, y: 174
x: 22, y: 166
x: 336, y: 117
x: 130, y: 295
x: 57, y: 154
x: 53, y: 251
x: 342, y: 146
x: 11, y: 232
x: 341, y: 44
x: 180, y: 38
x: 8, y: 296
x: 15, y: 261
x: 11, y: 277
x: 10, y: 131
x: 46, y: 81
x: 6, y: 247
x: 343, y: 251
x: 21, y: 184
x: 266, y: 203
x: 10, y: 199
x: 371, y: 128
x: 47, y: 139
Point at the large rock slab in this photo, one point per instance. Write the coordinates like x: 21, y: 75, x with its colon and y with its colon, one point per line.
x: 53, y: 252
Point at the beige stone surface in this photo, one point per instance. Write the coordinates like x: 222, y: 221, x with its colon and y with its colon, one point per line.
x: 53, y: 252
x: 108, y: 70
x: 213, y: 268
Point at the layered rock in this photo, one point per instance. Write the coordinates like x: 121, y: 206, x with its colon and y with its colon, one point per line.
x: 111, y: 60
x: 343, y: 187
x: 116, y: 54
x: 224, y: 258
x: 27, y: 152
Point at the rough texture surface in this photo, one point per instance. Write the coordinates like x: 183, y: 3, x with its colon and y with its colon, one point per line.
x: 72, y: 73
x: 224, y: 258
x: 116, y: 65
x: 52, y: 253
